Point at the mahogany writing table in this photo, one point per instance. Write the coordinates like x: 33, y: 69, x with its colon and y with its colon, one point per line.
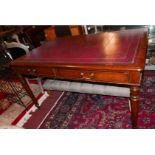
x: 109, y: 57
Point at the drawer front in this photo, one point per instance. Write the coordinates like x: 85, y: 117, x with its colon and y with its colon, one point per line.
x: 119, y: 77
x: 68, y: 73
x: 35, y: 71
x: 95, y: 76
x: 76, y: 74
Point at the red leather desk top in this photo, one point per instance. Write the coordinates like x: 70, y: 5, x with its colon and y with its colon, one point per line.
x: 119, y: 47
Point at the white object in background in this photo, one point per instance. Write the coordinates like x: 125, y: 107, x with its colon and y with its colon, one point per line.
x: 85, y: 29
x: 16, y: 44
x: 26, y: 49
x: 83, y: 87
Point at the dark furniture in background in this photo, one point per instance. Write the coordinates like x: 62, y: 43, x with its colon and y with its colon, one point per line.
x: 8, y: 78
x: 57, y: 31
x: 28, y: 35
x: 62, y: 30
x: 34, y: 36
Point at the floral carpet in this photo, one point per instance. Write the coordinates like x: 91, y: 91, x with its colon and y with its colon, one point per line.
x: 85, y: 111
x: 8, y: 97
x: 10, y: 110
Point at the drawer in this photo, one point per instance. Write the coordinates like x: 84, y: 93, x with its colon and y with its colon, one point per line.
x: 68, y: 73
x: 35, y: 71
x: 75, y: 74
x: 92, y: 75
x: 109, y: 76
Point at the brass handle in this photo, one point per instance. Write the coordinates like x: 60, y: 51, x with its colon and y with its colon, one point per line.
x: 32, y: 71
x: 87, y: 76
x: 92, y: 74
x: 82, y: 74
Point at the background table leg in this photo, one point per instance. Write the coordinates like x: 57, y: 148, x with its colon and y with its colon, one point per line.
x: 134, y: 97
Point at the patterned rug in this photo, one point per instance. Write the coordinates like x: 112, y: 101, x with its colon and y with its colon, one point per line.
x: 4, y: 103
x: 9, y: 111
x: 8, y: 97
x: 85, y: 111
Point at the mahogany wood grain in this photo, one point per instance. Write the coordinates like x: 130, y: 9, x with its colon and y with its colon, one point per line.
x: 111, y: 57
x: 134, y: 104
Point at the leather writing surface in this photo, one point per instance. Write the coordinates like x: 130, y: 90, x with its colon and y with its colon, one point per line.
x: 119, y: 47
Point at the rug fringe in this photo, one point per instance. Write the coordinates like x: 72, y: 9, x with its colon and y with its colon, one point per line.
x: 28, y: 114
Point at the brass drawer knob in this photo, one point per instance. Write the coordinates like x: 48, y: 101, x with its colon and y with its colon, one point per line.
x: 87, y: 76
x: 92, y: 74
x: 82, y: 73
x: 33, y: 70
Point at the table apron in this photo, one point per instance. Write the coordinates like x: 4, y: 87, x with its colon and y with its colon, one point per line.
x: 92, y: 75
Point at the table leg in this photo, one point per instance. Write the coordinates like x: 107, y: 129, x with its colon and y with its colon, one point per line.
x: 134, y: 97
x: 28, y: 90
